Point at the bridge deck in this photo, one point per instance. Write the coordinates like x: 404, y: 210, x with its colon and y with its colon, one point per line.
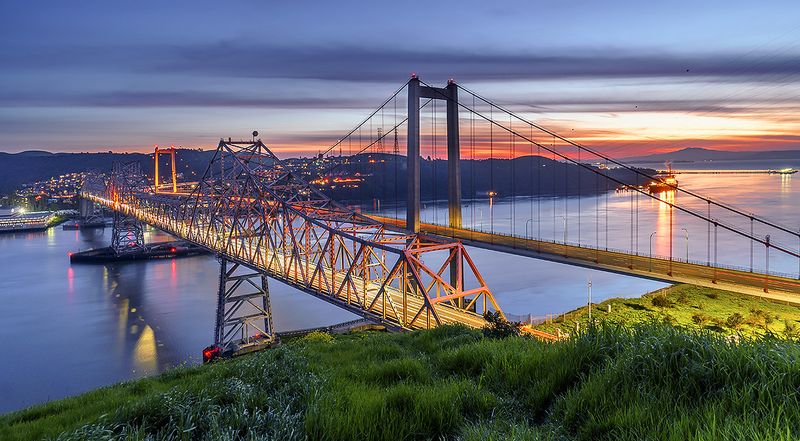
x: 274, y: 264
x: 772, y: 287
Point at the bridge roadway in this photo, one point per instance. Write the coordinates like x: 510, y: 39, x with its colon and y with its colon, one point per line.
x: 772, y: 287
x: 405, y: 304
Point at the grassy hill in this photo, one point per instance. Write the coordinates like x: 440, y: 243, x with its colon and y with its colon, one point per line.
x: 691, y: 307
x: 649, y: 381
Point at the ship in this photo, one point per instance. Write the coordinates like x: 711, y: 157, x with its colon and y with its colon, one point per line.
x: 664, y: 181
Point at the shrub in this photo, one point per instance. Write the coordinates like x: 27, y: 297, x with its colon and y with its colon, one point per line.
x: 683, y: 298
x: 712, y: 295
x: 661, y: 301
x: 790, y: 328
x: 318, y: 337
x: 700, y: 319
x: 735, y: 321
x: 499, y: 327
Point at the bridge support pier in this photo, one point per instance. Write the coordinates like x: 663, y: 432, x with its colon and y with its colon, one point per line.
x: 127, y: 234
x: 244, y: 314
x: 89, y: 214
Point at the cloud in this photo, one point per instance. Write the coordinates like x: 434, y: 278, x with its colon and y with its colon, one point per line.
x: 364, y: 64
x: 185, y: 98
x: 341, y: 63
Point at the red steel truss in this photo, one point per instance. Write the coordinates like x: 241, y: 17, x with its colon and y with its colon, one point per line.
x: 251, y: 209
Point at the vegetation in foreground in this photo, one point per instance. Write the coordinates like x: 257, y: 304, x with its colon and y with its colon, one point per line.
x: 692, y: 307
x: 646, y: 382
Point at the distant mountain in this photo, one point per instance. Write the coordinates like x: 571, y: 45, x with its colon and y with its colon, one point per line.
x: 30, y: 166
x: 35, y: 153
x: 694, y: 154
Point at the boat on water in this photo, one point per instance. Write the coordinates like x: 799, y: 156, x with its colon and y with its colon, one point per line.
x: 664, y: 181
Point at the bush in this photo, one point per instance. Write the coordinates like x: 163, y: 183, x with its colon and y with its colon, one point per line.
x: 712, y: 295
x: 735, y: 321
x: 317, y: 337
x: 499, y: 327
x: 661, y: 301
x: 700, y: 319
x: 790, y: 329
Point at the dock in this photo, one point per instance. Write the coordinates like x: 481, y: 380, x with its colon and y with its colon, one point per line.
x: 163, y: 250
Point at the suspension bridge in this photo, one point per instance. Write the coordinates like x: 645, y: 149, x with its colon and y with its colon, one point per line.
x: 270, y: 218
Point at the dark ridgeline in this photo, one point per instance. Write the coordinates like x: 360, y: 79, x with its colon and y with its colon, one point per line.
x: 384, y: 174
x: 518, y: 177
x: 21, y: 168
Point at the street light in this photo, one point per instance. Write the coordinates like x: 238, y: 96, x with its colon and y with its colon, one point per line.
x: 527, y: 222
x: 565, y: 229
x: 651, y: 249
x: 590, y: 300
x: 686, y: 234
x: 491, y: 194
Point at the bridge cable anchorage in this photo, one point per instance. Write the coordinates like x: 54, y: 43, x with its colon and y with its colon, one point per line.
x: 251, y: 209
x: 567, y: 159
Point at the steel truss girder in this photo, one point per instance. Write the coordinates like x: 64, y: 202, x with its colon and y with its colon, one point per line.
x: 244, y: 313
x: 251, y: 209
x: 127, y: 234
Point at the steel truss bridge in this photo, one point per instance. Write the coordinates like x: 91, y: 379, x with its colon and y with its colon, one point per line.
x: 263, y: 218
x: 264, y: 221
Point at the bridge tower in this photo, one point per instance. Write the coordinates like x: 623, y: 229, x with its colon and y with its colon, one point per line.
x: 166, y: 151
x: 244, y: 314
x: 450, y: 94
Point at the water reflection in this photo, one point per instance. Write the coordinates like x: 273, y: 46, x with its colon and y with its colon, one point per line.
x: 146, y: 357
x: 136, y: 331
x: 664, y: 224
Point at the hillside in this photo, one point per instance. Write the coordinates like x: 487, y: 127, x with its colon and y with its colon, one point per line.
x: 692, y: 307
x: 386, y: 179
x: 694, y: 154
x: 608, y: 383
x: 19, y: 168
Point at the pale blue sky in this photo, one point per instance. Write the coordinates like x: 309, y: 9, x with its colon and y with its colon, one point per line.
x: 97, y: 75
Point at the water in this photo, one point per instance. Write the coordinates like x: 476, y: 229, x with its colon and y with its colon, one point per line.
x: 68, y: 329
x: 632, y: 221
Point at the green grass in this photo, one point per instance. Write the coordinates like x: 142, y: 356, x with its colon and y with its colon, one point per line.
x: 691, y: 307
x: 609, y: 382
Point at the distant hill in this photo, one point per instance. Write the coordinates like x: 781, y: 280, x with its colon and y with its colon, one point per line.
x: 384, y: 179
x: 30, y: 166
x: 35, y: 153
x: 694, y: 154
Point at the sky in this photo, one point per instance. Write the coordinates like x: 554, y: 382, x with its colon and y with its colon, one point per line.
x: 627, y: 78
